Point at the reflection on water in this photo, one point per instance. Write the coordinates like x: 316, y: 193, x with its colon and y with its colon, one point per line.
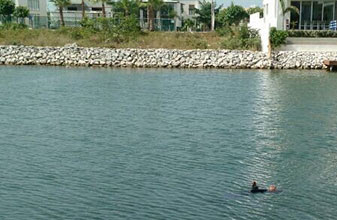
x: 166, y: 144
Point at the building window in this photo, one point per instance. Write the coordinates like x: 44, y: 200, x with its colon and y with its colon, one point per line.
x: 34, y: 5
x: 294, y: 17
x: 72, y: 9
x: 306, y: 15
x: 317, y: 11
x: 167, y: 11
x: 96, y: 9
x: 191, y: 9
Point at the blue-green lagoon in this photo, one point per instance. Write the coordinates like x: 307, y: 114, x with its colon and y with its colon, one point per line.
x: 81, y: 143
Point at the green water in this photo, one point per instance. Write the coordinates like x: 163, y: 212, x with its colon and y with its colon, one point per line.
x: 166, y: 144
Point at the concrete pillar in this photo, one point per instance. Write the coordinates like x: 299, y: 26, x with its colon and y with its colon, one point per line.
x: 141, y: 18
x: 177, y: 20
x: 158, y: 20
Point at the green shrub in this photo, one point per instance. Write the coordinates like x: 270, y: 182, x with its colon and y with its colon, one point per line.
x: 249, y: 38
x: 77, y: 34
x: 21, y: 12
x: 231, y: 44
x: 312, y: 33
x: 188, y: 25
x: 7, y: 8
x: 128, y: 27
x: 240, y: 37
x: 234, y: 14
x: 118, y: 30
x: 13, y: 26
x: 226, y: 30
x: 88, y: 23
x: 277, y: 37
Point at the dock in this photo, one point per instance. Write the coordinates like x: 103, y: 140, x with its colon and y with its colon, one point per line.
x: 331, y: 64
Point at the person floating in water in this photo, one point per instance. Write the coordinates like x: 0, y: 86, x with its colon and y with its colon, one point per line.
x: 272, y: 188
x: 255, y: 189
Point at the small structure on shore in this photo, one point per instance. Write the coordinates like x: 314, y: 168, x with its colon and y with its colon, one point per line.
x: 331, y: 64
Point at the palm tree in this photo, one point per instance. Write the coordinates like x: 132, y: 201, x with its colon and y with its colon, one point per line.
x: 152, y: 6
x: 204, y: 15
x: 286, y: 10
x: 83, y: 9
x: 126, y: 7
x: 103, y: 5
x: 61, y: 4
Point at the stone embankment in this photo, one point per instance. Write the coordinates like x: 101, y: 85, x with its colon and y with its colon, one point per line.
x: 72, y: 55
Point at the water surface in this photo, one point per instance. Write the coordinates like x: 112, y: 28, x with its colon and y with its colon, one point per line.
x: 82, y: 143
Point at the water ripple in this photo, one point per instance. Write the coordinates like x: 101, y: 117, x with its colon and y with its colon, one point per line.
x: 166, y: 144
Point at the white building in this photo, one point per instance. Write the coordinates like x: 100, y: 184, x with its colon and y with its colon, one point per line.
x: 271, y: 18
x: 314, y: 15
x: 73, y: 13
x: 36, y: 7
x: 37, y: 12
x: 184, y: 9
x: 188, y: 8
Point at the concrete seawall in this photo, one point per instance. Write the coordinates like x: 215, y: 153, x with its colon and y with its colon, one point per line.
x: 310, y: 44
x: 72, y: 55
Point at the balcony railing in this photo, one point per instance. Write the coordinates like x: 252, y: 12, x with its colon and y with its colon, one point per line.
x: 317, y: 25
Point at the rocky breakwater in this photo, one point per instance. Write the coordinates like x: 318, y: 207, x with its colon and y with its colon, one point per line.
x: 72, y: 55
x: 301, y: 60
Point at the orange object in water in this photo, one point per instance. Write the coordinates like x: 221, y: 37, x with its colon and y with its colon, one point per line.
x: 272, y: 188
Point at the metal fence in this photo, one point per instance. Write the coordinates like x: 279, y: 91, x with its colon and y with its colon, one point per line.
x: 31, y: 21
x: 160, y: 24
x: 53, y: 22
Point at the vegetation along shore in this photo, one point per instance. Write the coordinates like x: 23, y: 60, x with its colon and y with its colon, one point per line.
x: 125, y: 28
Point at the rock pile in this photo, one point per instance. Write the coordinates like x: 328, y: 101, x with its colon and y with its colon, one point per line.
x: 72, y: 55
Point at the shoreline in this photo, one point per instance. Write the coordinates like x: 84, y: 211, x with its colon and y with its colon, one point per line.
x: 72, y: 55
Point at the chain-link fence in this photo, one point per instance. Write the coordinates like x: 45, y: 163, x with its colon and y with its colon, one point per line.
x: 31, y: 21
x: 53, y: 21
x: 160, y: 24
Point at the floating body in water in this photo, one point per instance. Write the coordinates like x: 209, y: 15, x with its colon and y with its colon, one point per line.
x: 272, y: 188
x: 255, y: 189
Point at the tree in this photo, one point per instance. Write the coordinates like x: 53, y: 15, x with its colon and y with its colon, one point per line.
x: 152, y: 6
x: 61, y: 4
x: 205, y: 15
x: 234, y: 14
x: 21, y: 12
x: 83, y: 9
x: 254, y: 10
x: 167, y: 11
x: 188, y: 25
x: 7, y: 8
x: 126, y: 7
x: 103, y: 5
x: 286, y: 10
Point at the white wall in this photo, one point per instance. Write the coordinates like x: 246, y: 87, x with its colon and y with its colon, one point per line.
x: 259, y: 24
x: 275, y: 16
x: 42, y: 4
x: 272, y: 18
x: 185, y: 5
x: 270, y: 12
